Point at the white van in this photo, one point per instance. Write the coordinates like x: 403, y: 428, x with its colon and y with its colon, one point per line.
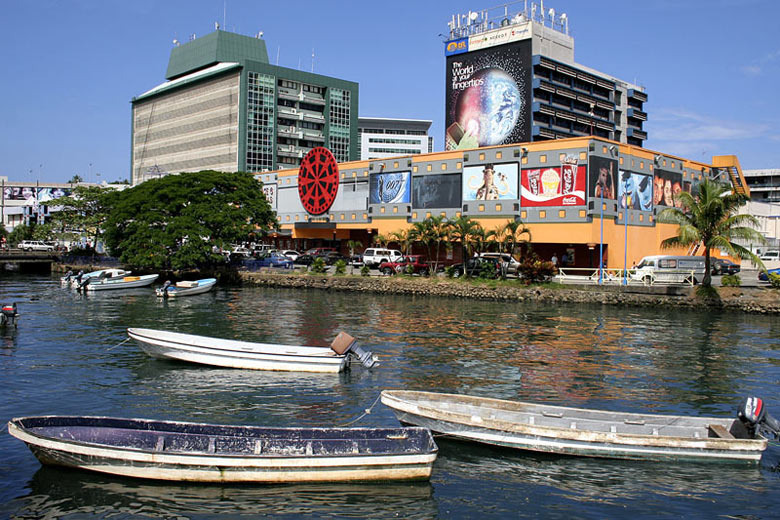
x: 771, y: 255
x: 669, y: 269
x: 373, y: 256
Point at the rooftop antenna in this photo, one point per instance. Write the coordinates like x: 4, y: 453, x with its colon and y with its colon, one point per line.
x: 312, y: 59
x: 216, y: 26
x: 551, y: 12
x: 278, y: 48
x: 224, y: 14
x: 176, y: 42
x: 565, y: 23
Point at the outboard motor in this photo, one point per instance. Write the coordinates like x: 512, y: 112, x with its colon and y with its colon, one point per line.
x: 346, y: 344
x: 754, y: 416
x: 8, y: 315
x: 82, y: 284
x: 77, y: 278
x: 165, y: 288
x: 67, y: 276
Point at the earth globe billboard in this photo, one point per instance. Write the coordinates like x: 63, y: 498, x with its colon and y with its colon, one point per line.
x: 489, y: 96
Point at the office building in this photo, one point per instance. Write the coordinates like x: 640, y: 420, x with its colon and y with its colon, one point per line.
x: 764, y: 185
x: 385, y: 137
x: 512, y: 77
x: 225, y: 107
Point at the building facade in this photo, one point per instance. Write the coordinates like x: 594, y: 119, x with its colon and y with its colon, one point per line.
x: 764, y: 185
x: 511, y: 77
x: 225, y: 107
x: 581, y: 196
x: 383, y: 137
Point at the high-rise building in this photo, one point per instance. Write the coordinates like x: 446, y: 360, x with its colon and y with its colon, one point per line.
x: 764, y: 184
x: 511, y: 77
x: 384, y: 137
x: 225, y: 107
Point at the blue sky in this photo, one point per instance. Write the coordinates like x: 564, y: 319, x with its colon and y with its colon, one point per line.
x: 70, y: 68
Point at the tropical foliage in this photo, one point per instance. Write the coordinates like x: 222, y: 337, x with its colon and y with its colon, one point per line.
x: 183, y: 221
x: 711, y: 218
x: 84, y: 212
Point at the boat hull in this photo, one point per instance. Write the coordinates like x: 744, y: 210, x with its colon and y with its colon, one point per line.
x: 257, y: 458
x: 572, y: 431
x: 237, y: 354
x: 142, y: 281
x: 189, y: 291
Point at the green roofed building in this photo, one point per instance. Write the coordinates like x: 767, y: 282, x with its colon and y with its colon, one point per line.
x: 225, y: 107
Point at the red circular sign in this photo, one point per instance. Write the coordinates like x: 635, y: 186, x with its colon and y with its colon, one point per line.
x: 318, y: 180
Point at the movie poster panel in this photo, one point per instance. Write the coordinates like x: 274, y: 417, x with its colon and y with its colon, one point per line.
x: 49, y: 194
x: 665, y: 186
x: 490, y: 182
x: 390, y: 188
x: 635, y: 191
x: 18, y: 193
x: 602, y: 180
x: 488, y: 96
x: 555, y: 186
x: 436, y: 191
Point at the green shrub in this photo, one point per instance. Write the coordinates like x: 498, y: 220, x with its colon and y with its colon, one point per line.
x: 449, y: 271
x: 730, y: 280
x: 487, y: 271
x: 533, y: 269
x: 318, y: 265
x: 774, y: 280
x: 409, y: 269
x: 365, y: 270
x: 341, y: 267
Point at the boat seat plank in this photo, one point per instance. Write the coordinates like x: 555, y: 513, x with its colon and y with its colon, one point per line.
x: 160, y: 446
x: 720, y: 431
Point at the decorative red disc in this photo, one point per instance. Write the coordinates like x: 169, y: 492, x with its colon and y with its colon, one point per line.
x: 318, y: 180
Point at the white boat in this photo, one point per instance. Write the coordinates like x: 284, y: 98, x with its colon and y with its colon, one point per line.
x: 75, y: 280
x: 255, y: 356
x: 592, y: 433
x: 169, y: 290
x: 195, y: 452
x: 126, y: 282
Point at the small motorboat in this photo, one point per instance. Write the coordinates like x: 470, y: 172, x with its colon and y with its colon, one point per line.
x: 195, y: 452
x: 256, y: 356
x: 170, y: 290
x: 103, y: 274
x: 125, y: 282
x: 9, y: 315
x: 592, y: 433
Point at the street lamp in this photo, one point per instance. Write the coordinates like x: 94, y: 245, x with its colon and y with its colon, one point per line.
x: 626, y: 178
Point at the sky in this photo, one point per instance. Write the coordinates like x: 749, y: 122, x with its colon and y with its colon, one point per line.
x: 71, y: 67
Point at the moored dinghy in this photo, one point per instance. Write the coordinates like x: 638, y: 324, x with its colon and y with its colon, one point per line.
x: 125, y: 282
x: 592, y: 433
x: 185, y: 288
x: 256, y: 356
x: 167, y: 450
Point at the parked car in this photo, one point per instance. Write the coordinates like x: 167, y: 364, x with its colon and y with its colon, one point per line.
x: 373, y: 256
x: 356, y: 260
x: 723, y: 266
x: 769, y: 256
x: 321, y: 251
x: 291, y: 254
x: 240, y: 252
x: 763, y: 275
x: 331, y: 257
x: 35, y: 245
x: 669, y: 269
x: 509, y: 262
x: 274, y: 260
x: 304, y: 259
x: 478, y: 266
x: 418, y: 264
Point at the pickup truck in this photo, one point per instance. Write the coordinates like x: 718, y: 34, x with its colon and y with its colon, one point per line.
x: 418, y: 264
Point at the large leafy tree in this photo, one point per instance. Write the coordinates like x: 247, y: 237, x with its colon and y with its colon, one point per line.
x: 84, y: 211
x: 179, y: 221
x: 711, y: 218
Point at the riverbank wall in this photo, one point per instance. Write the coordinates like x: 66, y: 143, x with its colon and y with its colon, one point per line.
x: 747, y: 299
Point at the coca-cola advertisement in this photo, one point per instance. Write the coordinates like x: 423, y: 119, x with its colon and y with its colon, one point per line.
x: 554, y: 186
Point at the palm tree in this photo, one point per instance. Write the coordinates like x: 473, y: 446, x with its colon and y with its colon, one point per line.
x: 403, y: 238
x: 352, y: 245
x: 509, y: 235
x: 380, y: 240
x: 711, y: 218
x: 463, y: 230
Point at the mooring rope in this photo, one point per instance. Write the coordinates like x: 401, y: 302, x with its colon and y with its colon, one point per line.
x: 118, y: 344
x: 367, y: 411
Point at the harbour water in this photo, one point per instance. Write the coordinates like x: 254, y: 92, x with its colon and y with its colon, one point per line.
x: 68, y: 356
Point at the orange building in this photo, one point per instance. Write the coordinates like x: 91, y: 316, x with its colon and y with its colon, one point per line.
x: 582, y: 196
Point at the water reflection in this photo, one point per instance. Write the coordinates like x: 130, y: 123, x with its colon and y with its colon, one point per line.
x: 57, y: 493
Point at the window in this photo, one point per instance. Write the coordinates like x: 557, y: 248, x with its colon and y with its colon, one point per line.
x: 339, y: 130
x: 260, y: 122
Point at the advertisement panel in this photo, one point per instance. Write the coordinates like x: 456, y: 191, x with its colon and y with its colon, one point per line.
x: 601, y: 177
x: 458, y: 46
x: 390, y: 188
x: 488, y: 96
x: 635, y: 191
x: 500, y: 36
x: 436, y: 191
x: 19, y: 193
x: 555, y: 186
x: 665, y: 185
x: 269, y: 190
x: 490, y: 182
x: 48, y: 194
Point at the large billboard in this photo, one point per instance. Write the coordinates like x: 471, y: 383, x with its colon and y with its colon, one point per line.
x: 34, y: 194
x: 666, y: 185
x: 602, y: 180
x: 489, y: 96
x: 490, y: 182
x: 390, y: 188
x: 436, y: 191
x: 554, y: 186
x: 635, y: 191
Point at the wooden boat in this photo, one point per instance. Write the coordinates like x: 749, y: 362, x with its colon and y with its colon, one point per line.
x: 167, y: 450
x: 255, y: 356
x: 576, y: 431
x: 169, y: 290
x: 126, y: 282
x: 75, y: 280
